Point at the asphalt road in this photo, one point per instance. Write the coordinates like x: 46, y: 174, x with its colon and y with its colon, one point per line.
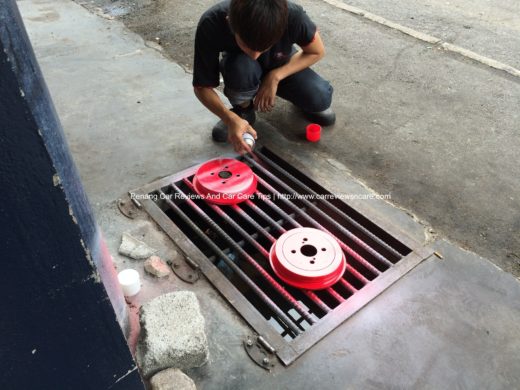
x: 488, y: 27
x: 437, y: 131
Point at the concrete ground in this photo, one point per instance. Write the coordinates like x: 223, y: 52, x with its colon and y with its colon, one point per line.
x: 435, y: 130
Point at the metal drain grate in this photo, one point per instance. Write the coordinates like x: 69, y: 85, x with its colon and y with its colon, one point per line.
x: 231, y: 246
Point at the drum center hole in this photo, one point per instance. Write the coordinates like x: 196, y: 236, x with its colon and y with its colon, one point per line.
x: 225, y: 174
x: 308, y: 250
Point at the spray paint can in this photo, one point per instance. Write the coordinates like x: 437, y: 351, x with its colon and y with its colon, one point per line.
x: 248, y: 139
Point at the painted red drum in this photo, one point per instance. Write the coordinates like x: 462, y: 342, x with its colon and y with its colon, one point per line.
x: 308, y: 259
x: 225, y: 181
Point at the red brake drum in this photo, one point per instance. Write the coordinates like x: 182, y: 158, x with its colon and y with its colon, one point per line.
x: 225, y: 181
x: 308, y: 259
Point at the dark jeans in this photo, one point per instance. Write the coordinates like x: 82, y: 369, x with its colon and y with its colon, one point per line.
x: 242, y: 76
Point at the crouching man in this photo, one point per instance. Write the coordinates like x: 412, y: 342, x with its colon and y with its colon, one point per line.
x: 259, y: 62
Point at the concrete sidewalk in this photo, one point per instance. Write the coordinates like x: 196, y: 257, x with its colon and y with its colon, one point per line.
x: 130, y: 116
x: 129, y: 113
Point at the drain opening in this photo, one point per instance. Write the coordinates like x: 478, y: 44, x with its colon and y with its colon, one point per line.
x: 237, y: 239
x: 320, y: 302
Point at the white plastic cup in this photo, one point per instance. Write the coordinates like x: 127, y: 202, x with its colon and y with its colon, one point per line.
x: 129, y: 281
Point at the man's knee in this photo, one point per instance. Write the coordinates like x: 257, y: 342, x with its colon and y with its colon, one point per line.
x: 318, y: 97
x: 240, y: 72
x: 307, y: 90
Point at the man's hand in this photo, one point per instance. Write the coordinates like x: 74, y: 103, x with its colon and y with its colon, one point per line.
x: 264, y: 100
x: 236, y: 129
x: 235, y: 124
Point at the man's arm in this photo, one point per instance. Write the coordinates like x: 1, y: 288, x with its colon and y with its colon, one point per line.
x: 309, y: 55
x: 235, y: 124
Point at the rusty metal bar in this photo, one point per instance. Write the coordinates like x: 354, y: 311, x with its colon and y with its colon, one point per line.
x: 334, y: 223
x: 261, y: 295
x: 242, y: 242
x: 335, y: 295
x: 228, y: 250
x: 352, y: 221
x: 282, y: 213
x: 264, y: 215
x: 348, y: 286
x: 257, y: 226
x: 279, y: 288
x: 317, y: 300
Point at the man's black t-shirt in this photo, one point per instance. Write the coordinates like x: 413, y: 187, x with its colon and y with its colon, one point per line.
x: 214, y: 36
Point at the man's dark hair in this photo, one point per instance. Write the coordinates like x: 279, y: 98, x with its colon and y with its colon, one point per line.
x: 259, y: 23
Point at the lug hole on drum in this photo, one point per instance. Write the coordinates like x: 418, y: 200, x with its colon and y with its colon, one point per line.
x: 304, y: 239
x: 293, y: 251
x: 223, y: 182
x: 312, y: 261
x: 323, y: 249
x: 212, y: 173
x: 238, y: 175
x: 308, y: 250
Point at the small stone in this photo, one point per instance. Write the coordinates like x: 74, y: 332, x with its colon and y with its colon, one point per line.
x: 172, y: 379
x: 157, y: 267
x: 134, y: 248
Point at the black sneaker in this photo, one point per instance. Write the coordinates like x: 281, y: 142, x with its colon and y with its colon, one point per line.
x: 322, y: 118
x: 219, y: 132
